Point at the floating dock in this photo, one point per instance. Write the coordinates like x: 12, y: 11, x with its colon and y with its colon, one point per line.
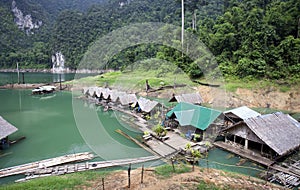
x: 25, y: 168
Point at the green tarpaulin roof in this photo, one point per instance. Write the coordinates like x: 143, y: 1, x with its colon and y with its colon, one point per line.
x: 197, y: 116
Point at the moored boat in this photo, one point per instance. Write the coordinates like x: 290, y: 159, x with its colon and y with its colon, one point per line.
x: 44, y: 90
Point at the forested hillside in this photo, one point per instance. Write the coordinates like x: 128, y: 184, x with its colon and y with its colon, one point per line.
x: 254, y: 38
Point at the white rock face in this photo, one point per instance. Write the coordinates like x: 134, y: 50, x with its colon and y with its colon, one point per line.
x: 24, y: 22
x: 124, y: 2
x: 58, y: 61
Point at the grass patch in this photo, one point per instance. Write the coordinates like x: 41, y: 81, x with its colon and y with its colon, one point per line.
x: 167, y: 170
x: 204, y: 186
x: 69, y: 181
x: 284, y: 88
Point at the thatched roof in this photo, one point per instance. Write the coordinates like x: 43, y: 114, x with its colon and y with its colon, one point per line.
x: 6, y: 128
x: 127, y: 99
x: 277, y: 130
x: 106, y: 93
x: 193, y: 98
x: 85, y: 90
x: 114, y: 95
x: 91, y: 91
x: 146, y: 105
x: 241, y: 113
x: 98, y: 91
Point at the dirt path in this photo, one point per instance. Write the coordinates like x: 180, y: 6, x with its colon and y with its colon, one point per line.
x: 185, y: 181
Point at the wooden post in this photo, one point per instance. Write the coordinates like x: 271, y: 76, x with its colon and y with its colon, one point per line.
x: 142, y: 177
x: 129, y: 169
x: 246, y: 144
x: 18, y: 73
x: 193, y: 163
x: 23, y: 78
x: 103, y: 183
x: 59, y: 81
x: 172, y: 160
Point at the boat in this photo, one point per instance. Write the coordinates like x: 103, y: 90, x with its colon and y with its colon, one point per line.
x: 44, y: 89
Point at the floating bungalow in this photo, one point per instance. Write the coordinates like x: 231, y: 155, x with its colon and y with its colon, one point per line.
x: 193, y: 98
x: 146, y: 105
x: 127, y: 99
x: 6, y: 129
x: 272, y: 135
x: 114, y: 95
x: 194, y: 119
x: 239, y: 114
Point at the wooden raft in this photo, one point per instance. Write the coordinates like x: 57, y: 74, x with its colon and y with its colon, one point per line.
x: 24, y: 168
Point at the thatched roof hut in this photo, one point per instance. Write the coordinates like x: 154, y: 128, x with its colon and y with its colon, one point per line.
x: 6, y: 128
x: 146, y: 105
x: 106, y: 93
x: 193, y: 98
x: 114, y: 95
x: 127, y: 99
x: 276, y: 130
x: 85, y: 90
x: 98, y: 91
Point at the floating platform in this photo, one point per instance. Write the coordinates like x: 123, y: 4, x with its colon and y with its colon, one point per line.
x: 25, y: 168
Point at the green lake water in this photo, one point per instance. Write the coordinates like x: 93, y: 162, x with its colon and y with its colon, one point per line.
x: 50, y: 129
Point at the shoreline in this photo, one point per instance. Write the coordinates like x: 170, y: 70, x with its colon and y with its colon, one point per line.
x: 51, y: 71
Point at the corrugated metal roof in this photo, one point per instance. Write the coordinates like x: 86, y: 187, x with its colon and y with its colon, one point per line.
x: 6, y: 128
x: 146, y: 105
x: 242, y: 112
x: 193, y: 98
x: 197, y: 116
x: 277, y: 130
x: 127, y: 99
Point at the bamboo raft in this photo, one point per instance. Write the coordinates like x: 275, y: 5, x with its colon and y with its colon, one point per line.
x: 25, y: 168
x: 71, y: 168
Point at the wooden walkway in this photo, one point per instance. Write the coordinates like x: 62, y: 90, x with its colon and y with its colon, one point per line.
x: 21, y: 169
x: 71, y: 168
x: 255, y: 157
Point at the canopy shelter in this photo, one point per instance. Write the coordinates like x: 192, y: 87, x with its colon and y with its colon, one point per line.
x: 193, y: 98
x: 192, y: 115
x: 278, y: 131
x: 6, y: 128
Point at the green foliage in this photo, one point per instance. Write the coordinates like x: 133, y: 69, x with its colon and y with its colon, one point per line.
x: 159, y: 130
x: 69, y: 181
x: 167, y: 170
x: 250, y: 39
